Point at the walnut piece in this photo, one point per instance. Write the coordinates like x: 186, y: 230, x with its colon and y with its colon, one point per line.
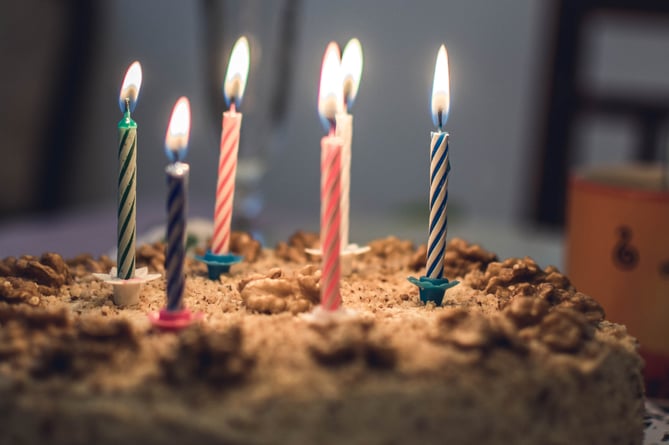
x: 516, y: 276
x: 293, y: 250
x: 564, y: 330
x: 462, y: 258
x: 273, y: 292
x: 526, y: 311
x: 27, y: 279
x: 242, y: 243
x: 151, y: 256
x: 470, y: 330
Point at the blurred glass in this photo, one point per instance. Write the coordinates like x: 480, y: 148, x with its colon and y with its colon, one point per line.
x: 271, y: 28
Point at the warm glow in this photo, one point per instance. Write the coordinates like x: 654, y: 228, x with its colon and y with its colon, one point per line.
x: 130, y: 87
x: 330, y: 93
x: 441, y: 96
x: 238, y: 71
x: 176, y: 140
x: 351, y: 67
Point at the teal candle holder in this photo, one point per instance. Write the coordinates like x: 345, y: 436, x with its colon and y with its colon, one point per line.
x: 432, y: 289
x: 218, y: 264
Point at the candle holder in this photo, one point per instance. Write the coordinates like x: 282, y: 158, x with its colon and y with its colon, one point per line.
x: 126, y: 292
x: 432, y: 289
x: 321, y: 316
x: 218, y: 264
x: 346, y: 255
x: 174, y: 320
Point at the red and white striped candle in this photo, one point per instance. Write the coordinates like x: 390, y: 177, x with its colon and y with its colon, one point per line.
x: 235, y: 83
x: 331, y: 152
x: 330, y: 103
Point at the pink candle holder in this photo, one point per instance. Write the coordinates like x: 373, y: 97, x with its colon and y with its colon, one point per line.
x: 174, y: 320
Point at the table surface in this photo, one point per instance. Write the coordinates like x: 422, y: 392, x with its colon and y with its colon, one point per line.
x: 93, y: 231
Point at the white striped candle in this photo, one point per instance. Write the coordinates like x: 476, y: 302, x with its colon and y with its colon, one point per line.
x: 233, y: 89
x: 351, y: 72
x: 345, y: 132
x: 331, y: 155
x: 127, y: 174
x: 176, y: 144
x: 439, y: 169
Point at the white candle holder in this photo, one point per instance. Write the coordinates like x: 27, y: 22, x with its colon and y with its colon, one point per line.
x: 324, y: 317
x: 126, y: 292
x: 346, y: 255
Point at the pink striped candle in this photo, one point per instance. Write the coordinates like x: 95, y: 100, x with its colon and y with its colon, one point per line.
x: 235, y: 83
x: 331, y: 151
x: 330, y: 103
x: 225, y: 187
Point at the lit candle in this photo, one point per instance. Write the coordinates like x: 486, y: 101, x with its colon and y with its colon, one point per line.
x: 351, y: 70
x: 330, y: 102
x: 176, y: 144
x: 235, y: 82
x: 127, y: 156
x: 433, y: 285
x: 439, y: 169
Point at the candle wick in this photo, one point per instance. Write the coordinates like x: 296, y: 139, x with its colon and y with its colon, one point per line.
x: 127, y: 105
x: 440, y: 117
x: 233, y: 107
x: 333, y: 128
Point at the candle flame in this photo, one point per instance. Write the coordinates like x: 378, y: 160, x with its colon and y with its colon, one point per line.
x: 178, y: 131
x: 237, y: 73
x: 130, y: 87
x: 330, y: 93
x: 351, y: 66
x: 441, y: 96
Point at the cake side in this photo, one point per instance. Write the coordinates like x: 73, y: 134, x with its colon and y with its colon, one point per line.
x: 514, y: 355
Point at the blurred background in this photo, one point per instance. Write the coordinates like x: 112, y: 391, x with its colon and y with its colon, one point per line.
x: 537, y: 88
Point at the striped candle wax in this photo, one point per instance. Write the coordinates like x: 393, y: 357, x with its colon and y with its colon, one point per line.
x: 438, y: 223
x: 233, y: 88
x: 127, y: 155
x: 330, y: 103
x: 439, y: 170
x: 176, y: 143
x: 225, y: 186
x: 351, y: 71
x: 345, y: 132
x: 177, y: 184
x: 331, y: 154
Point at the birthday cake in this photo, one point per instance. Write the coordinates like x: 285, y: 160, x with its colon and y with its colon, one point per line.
x: 514, y: 355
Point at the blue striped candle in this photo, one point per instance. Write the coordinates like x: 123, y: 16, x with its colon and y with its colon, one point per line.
x: 176, y: 144
x: 438, y: 223
x: 440, y: 168
x: 177, y: 184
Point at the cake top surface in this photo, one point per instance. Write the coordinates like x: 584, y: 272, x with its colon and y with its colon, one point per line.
x: 59, y: 327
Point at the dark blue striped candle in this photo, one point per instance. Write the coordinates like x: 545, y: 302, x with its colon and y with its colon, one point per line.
x: 176, y: 143
x: 440, y: 168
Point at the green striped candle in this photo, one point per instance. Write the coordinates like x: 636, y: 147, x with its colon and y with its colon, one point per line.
x: 127, y: 175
